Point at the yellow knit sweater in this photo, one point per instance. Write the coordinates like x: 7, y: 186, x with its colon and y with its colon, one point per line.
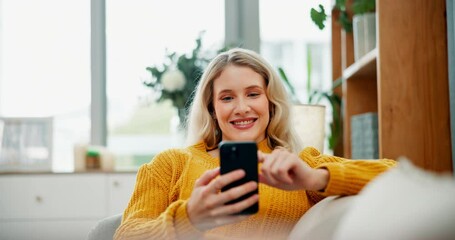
x: 157, y: 209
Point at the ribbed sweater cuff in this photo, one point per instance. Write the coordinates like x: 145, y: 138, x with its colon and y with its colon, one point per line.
x: 183, y: 225
x: 337, y: 180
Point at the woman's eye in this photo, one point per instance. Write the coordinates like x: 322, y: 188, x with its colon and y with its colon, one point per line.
x: 253, y: 94
x: 225, y: 99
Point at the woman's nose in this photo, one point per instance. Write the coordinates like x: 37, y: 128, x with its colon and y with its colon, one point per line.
x: 242, y: 106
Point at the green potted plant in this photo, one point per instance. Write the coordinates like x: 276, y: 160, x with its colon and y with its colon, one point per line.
x: 176, y: 79
x: 358, y: 7
x: 363, y: 24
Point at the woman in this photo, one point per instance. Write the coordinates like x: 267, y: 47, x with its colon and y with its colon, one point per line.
x: 239, y: 98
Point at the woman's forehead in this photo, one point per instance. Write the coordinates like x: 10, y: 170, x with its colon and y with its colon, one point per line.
x: 234, y: 77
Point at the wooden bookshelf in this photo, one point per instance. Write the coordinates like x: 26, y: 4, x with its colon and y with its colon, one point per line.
x: 405, y: 80
x: 360, y: 93
x: 364, y: 67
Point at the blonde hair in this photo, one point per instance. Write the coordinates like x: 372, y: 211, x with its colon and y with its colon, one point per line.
x: 201, y: 124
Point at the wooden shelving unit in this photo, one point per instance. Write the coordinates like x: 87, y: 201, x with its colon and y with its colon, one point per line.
x: 360, y: 93
x: 364, y: 67
x: 405, y: 80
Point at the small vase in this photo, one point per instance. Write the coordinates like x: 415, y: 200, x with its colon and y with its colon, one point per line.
x: 364, y: 33
x: 309, y: 122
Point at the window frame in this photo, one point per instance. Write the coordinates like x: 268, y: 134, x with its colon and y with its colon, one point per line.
x: 242, y: 29
x: 98, y: 105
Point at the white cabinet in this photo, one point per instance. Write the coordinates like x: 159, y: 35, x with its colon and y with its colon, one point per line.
x: 60, y: 206
x: 119, y: 190
x: 51, y: 197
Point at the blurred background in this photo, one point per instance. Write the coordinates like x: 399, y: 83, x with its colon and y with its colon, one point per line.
x: 48, y: 49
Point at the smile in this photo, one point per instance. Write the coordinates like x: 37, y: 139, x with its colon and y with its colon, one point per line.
x: 243, y: 124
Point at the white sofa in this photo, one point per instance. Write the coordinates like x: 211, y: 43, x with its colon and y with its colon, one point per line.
x: 403, y: 203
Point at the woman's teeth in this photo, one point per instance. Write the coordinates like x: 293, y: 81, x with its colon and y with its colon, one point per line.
x: 243, y: 122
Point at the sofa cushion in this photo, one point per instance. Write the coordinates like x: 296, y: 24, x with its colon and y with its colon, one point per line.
x: 403, y: 203
x: 322, y: 219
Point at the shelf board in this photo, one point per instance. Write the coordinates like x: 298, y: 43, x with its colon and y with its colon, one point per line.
x: 364, y: 67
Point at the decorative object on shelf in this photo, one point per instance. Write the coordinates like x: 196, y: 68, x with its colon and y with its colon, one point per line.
x: 309, y: 122
x: 364, y: 32
x: 358, y: 7
x: 26, y: 144
x: 315, y: 97
x: 364, y: 136
x: 334, y: 136
x: 309, y: 119
x: 90, y: 157
x: 177, y: 79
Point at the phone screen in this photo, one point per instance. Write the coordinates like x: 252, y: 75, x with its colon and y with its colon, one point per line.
x: 240, y: 155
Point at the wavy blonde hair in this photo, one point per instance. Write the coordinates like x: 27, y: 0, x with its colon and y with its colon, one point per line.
x: 201, y: 124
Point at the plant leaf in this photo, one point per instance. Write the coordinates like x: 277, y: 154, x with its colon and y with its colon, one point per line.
x: 288, y: 84
x: 363, y: 6
x: 309, y: 67
x: 335, y: 104
x: 318, y: 17
x: 341, y: 5
x: 345, y: 22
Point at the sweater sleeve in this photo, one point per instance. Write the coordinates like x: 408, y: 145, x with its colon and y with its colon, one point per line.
x: 153, y: 212
x: 346, y: 177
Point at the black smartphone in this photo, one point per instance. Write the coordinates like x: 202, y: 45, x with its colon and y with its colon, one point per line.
x: 240, y: 155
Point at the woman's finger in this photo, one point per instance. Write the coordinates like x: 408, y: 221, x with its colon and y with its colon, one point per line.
x: 225, y: 179
x: 235, y: 207
x: 236, y: 192
x: 263, y: 179
x: 276, y: 168
x: 207, y: 177
x: 269, y: 178
x: 214, y: 199
x: 285, y: 170
x: 267, y: 161
x: 261, y: 156
x: 281, y: 169
x: 280, y: 157
x: 267, y: 167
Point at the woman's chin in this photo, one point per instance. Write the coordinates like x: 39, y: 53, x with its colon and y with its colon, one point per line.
x: 245, y: 137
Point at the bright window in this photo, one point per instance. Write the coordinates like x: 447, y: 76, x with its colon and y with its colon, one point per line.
x: 45, y: 64
x: 289, y: 39
x: 45, y: 68
x: 138, y: 34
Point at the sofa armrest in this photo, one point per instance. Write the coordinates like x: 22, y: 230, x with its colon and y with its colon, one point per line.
x: 321, y: 221
x: 406, y: 203
x: 105, y: 228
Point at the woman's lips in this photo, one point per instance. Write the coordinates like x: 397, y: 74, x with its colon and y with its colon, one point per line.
x: 243, y: 123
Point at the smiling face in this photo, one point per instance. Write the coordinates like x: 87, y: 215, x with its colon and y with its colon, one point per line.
x: 241, y: 105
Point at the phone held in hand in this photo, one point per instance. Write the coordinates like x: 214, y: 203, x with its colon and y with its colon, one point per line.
x: 240, y: 155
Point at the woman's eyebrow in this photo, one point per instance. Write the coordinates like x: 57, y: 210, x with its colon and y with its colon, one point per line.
x: 254, y: 86
x: 224, y: 91
x: 247, y: 88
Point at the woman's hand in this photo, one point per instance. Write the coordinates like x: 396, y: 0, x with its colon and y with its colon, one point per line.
x: 285, y: 170
x: 206, y: 207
